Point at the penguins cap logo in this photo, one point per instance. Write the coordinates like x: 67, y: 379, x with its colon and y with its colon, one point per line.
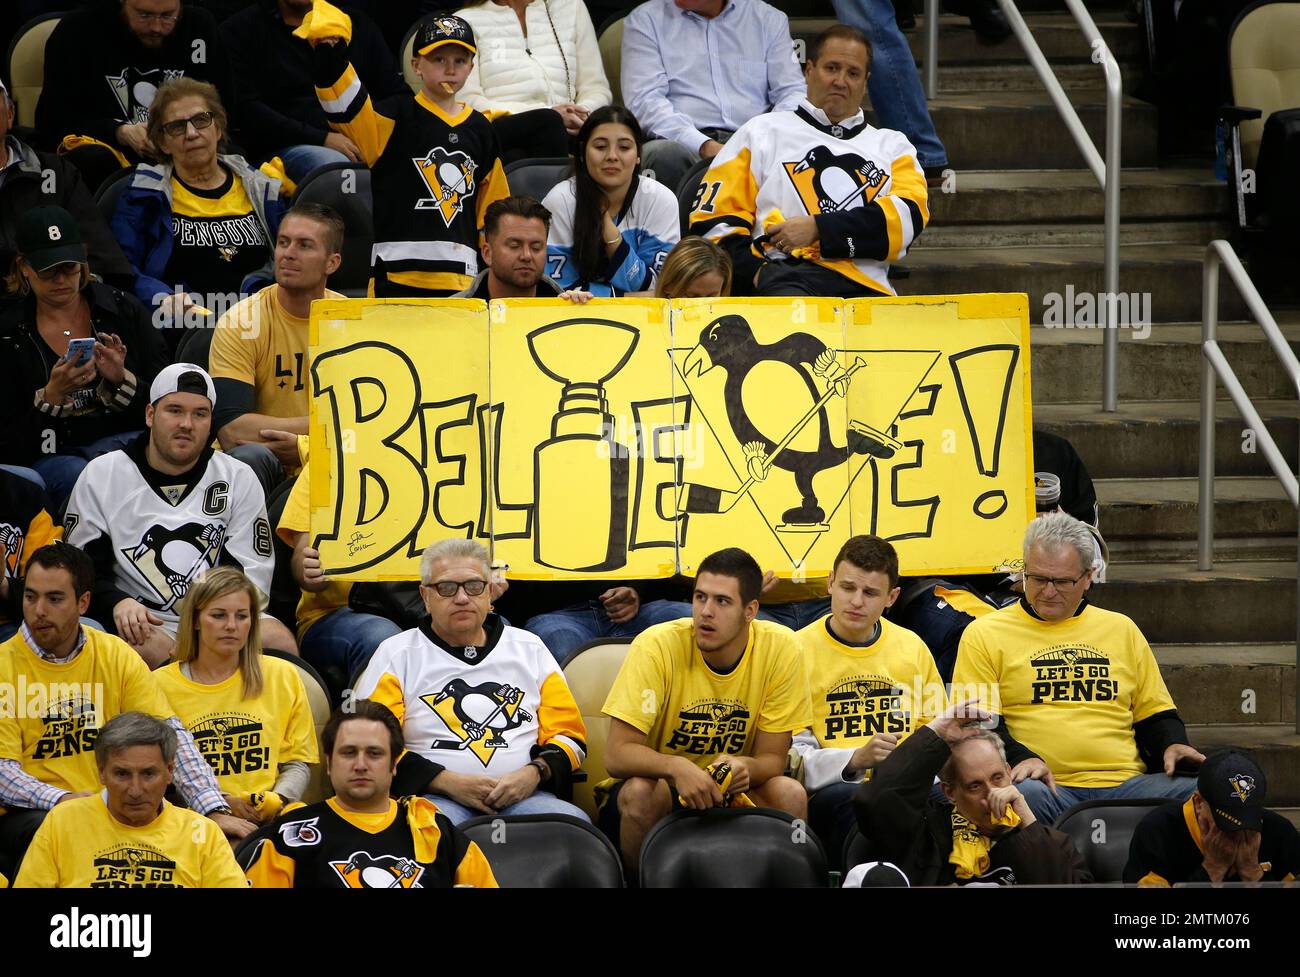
x: 1242, y: 786
x: 449, y: 178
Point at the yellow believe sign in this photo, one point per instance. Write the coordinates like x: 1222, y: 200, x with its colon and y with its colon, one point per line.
x: 629, y: 438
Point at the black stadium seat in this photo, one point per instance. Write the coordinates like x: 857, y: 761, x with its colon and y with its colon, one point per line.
x: 546, y: 851
x: 536, y: 177
x: 1102, y: 831
x: 195, y: 345
x: 686, y: 191
x: 345, y: 187
x: 108, y: 192
x: 732, y: 848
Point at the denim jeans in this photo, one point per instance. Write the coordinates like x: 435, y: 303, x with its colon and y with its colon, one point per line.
x: 1048, y: 807
x: 565, y: 631
x: 796, y: 615
x: 345, y: 639
x: 897, y: 98
x: 300, y: 161
x: 538, y: 802
x: 61, y: 471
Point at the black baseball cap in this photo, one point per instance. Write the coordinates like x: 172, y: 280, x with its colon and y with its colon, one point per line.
x: 48, y: 236
x: 444, y: 30
x: 1235, y: 788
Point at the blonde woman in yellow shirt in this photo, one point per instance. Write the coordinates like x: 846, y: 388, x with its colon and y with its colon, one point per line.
x: 248, y: 714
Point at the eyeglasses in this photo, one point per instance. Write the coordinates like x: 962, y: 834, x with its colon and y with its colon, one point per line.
x: 63, y: 270
x: 1060, y: 583
x: 177, y: 127
x: 448, y: 588
x: 167, y: 20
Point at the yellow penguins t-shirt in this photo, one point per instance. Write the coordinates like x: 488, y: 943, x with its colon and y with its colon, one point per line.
x: 217, y: 237
x: 890, y: 686
x: 59, y: 709
x: 685, y: 708
x: 259, y: 343
x: 245, y: 740
x: 1071, y: 691
x: 80, y: 845
x: 296, y: 518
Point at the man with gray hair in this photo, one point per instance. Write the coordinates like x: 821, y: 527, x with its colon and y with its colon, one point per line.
x: 489, y: 722
x: 1084, y: 712
x: 983, y: 833
x: 129, y: 836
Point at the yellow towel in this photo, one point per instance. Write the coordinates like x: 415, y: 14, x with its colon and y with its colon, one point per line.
x: 274, y: 168
x: 424, y: 827
x: 322, y: 21
x: 76, y: 142
x: 267, y: 803
x: 775, y: 217
x: 720, y: 771
x: 970, y: 849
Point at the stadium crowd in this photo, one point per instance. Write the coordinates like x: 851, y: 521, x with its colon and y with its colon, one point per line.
x: 190, y: 166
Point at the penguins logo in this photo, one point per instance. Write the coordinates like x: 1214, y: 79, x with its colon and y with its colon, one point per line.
x: 449, y: 178
x: 446, y: 27
x: 135, y: 90
x: 477, y: 715
x: 227, y: 252
x: 11, y: 549
x: 828, y: 182
x: 365, y: 871
x: 169, y: 560
x: 1242, y: 786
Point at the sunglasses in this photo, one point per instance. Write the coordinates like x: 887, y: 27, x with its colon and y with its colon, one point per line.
x: 62, y: 270
x: 177, y: 127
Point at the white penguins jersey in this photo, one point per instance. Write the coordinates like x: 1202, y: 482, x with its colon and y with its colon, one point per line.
x: 153, y: 535
x: 485, y: 709
x: 863, y: 185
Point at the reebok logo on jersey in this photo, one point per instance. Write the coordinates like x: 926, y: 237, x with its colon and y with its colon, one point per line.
x: 449, y: 178
x: 134, y: 868
x: 365, y: 871
x: 864, y: 706
x: 710, y: 727
x: 301, y: 834
x: 477, y: 716
x: 1071, y: 673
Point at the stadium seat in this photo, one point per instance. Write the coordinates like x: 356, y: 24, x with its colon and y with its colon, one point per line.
x: 590, y: 674
x: 346, y: 188
x: 108, y: 192
x: 244, y: 850
x: 686, y: 192
x: 732, y: 848
x: 857, y: 849
x: 610, y: 41
x: 546, y: 851
x: 536, y: 177
x: 196, y: 345
x: 25, y: 65
x: 1102, y: 830
x: 318, y: 787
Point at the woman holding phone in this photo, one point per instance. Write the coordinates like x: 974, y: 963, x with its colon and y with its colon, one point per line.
x: 76, y: 358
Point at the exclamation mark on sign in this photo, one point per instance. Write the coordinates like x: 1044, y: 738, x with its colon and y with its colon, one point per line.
x: 984, y: 378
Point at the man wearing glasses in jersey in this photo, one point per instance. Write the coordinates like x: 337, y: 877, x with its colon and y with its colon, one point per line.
x: 1083, y: 711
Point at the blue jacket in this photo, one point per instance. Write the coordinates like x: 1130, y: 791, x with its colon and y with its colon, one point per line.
x: 142, y: 223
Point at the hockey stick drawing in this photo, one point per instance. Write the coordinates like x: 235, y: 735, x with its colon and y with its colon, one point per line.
x: 707, y: 499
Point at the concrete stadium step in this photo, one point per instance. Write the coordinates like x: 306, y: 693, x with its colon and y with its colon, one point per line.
x: 1177, y: 604
x: 1075, y: 235
x: 1292, y: 814
x: 1164, y: 364
x: 1172, y: 275
x: 1056, y: 33
x: 1276, y: 748
x: 1063, y: 196
x: 1230, y: 684
x: 1150, y: 439
x: 1022, y: 130
x: 1021, y: 77
x: 1149, y: 509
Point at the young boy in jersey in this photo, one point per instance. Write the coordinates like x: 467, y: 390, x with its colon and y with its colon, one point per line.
x: 435, y: 162
x: 129, y: 836
x: 718, y: 686
x: 361, y: 838
x: 872, y: 684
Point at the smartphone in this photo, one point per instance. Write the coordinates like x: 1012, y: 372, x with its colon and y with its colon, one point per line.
x: 79, y: 351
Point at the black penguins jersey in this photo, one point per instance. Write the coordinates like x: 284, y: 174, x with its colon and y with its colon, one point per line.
x: 863, y: 185
x: 151, y: 535
x: 409, y: 846
x: 432, y: 177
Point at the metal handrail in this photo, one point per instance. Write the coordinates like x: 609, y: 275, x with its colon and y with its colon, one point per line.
x: 1220, y: 254
x: 1107, y: 172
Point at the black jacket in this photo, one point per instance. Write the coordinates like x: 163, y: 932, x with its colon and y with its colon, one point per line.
x: 905, y: 826
x: 43, y: 180
x: 277, y: 104
x: 95, y: 68
x: 25, y: 364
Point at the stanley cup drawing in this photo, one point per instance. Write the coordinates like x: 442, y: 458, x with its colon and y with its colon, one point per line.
x: 581, y: 471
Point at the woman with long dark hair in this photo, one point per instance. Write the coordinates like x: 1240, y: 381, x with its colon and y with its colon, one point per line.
x: 611, y: 227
